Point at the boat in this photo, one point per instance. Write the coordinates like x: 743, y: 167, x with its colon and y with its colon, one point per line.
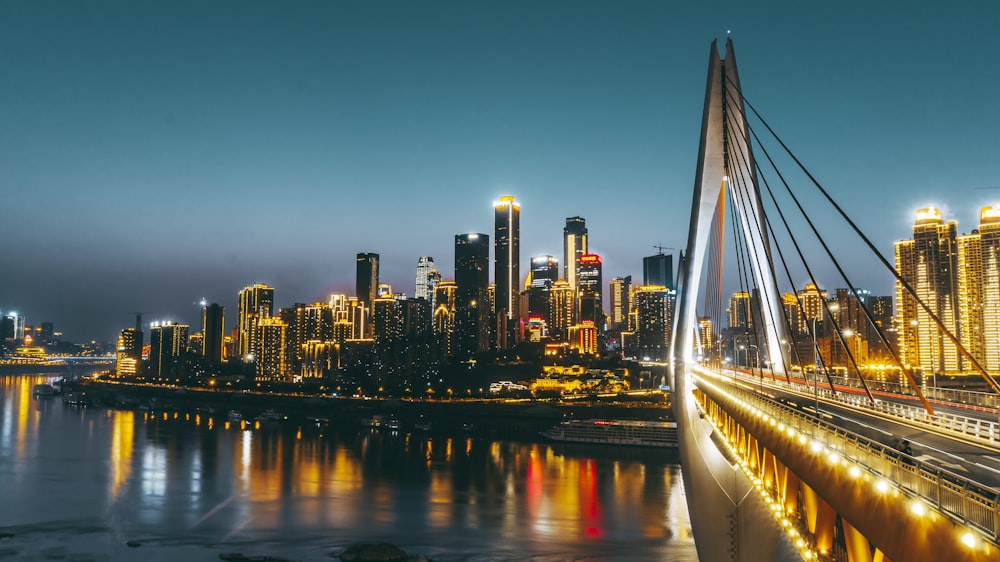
x: 234, y: 416
x: 616, y: 432
x: 76, y: 398
x: 43, y: 389
x: 271, y: 416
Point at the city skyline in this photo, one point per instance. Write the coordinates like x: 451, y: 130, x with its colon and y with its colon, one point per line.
x: 158, y: 155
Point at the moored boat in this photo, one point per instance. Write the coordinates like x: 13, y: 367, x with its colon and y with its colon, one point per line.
x: 616, y: 432
x: 43, y: 389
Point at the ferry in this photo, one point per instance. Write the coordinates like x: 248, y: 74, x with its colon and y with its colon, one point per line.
x: 44, y: 389
x: 616, y: 432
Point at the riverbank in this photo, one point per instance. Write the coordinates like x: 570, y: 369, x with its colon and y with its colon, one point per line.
x: 508, y: 417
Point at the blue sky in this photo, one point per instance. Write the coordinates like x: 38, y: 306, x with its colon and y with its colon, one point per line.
x: 152, y: 154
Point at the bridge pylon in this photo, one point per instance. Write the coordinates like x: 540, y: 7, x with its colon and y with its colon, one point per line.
x: 730, y: 521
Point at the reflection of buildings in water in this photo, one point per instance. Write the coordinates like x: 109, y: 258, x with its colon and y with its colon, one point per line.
x: 122, y: 436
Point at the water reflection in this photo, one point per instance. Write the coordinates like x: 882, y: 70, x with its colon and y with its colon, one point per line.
x: 197, y: 478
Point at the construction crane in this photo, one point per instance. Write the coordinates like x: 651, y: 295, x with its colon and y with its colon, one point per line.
x: 661, y: 247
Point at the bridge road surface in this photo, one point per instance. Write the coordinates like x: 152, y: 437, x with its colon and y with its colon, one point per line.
x: 979, y: 463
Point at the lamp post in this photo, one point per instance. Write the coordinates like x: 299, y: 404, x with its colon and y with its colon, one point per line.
x: 816, y: 366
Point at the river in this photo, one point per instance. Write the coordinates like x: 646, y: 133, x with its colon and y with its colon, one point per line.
x: 88, y: 484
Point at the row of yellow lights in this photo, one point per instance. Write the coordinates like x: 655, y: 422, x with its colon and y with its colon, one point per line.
x: 883, y: 486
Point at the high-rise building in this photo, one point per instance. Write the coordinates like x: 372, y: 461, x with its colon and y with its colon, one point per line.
x: 590, y: 286
x: 812, y: 300
x: 366, y: 281
x: 988, y: 304
x: 507, y: 267
x: 658, y: 270
x: 213, y: 332
x: 929, y: 263
x: 739, y: 310
x: 544, y: 271
x: 562, y: 305
x: 128, y: 353
x: 269, y: 356
x: 574, y: 246
x: 427, y: 279
x: 620, y: 293
x: 472, y: 306
x: 256, y: 302
x: 167, y: 343
x: 444, y: 315
x: 654, y: 306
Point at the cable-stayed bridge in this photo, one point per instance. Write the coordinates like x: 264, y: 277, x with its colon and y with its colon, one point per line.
x: 786, y: 458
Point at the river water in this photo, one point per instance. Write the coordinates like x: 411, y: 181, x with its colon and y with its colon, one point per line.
x: 80, y: 483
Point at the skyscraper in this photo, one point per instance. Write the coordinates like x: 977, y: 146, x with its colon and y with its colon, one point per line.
x: 989, y: 302
x: 589, y: 289
x: 472, y: 280
x: 574, y: 246
x: 168, y: 342
x: 561, y: 307
x: 654, y: 305
x: 544, y: 274
x: 658, y: 270
x: 507, y: 268
x: 256, y: 302
x: 427, y: 279
x: 129, y: 353
x: 366, y: 283
x: 213, y: 330
x: 929, y: 263
x: 269, y: 355
x: 620, y: 294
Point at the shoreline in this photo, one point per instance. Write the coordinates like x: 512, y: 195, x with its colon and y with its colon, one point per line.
x: 508, y: 417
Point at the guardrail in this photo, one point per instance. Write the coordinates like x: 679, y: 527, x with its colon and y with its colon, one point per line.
x: 985, y: 431
x: 966, y: 501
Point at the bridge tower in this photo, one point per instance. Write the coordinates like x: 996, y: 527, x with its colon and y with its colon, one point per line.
x: 729, y: 521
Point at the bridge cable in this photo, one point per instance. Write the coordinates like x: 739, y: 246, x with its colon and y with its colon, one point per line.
x: 805, y: 263
x: 843, y: 275
x: 738, y: 188
x: 744, y: 196
x: 903, y: 282
x: 833, y: 320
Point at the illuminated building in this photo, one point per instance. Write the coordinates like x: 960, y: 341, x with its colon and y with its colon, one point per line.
x: 305, y: 322
x: 256, y: 302
x: 213, y: 329
x: 574, y: 246
x: 388, y: 320
x: 739, y: 310
x: 654, y: 305
x: 15, y: 322
x: 589, y: 288
x: 472, y: 307
x: 507, y: 268
x: 989, y: 302
x: 269, y: 356
x: 929, y: 263
x: 544, y: 273
x: 812, y: 299
x: 583, y: 338
x: 47, y: 334
x: 168, y: 342
x: 562, y: 306
x: 658, y: 270
x: 196, y: 343
x: 366, y: 280
x: 706, y: 337
x: 620, y: 293
x: 444, y: 315
x: 427, y: 279
x: 128, y: 352
x: 317, y: 359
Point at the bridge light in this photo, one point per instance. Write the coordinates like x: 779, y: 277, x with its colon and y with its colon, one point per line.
x: 855, y: 472
x: 918, y: 509
x: 834, y: 457
x: 816, y: 446
x: 882, y: 486
x: 969, y: 540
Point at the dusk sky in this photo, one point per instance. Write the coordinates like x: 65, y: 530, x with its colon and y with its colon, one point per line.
x: 152, y: 154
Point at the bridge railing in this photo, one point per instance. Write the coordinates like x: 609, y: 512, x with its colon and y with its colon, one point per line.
x: 964, y: 500
x: 977, y: 428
